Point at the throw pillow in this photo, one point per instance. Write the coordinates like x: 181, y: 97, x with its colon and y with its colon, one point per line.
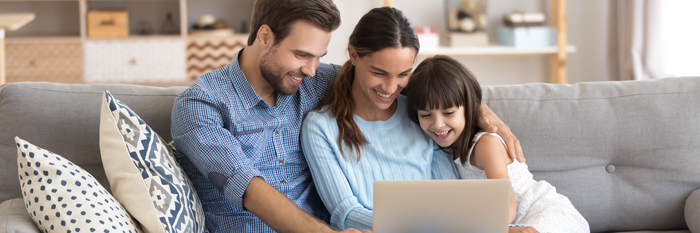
x: 62, y: 197
x: 692, y: 211
x: 14, y: 217
x: 143, y: 173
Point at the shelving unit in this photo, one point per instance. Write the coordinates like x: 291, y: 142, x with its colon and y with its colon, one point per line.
x: 494, y: 50
x: 73, y: 57
x: 557, y: 54
x: 10, y: 22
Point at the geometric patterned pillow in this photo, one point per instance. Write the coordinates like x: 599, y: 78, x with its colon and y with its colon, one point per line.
x: 143, y: 173
x: 62, y: 197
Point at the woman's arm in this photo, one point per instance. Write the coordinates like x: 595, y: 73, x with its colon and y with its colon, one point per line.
x: 325, y: 163
x: 491, y: 156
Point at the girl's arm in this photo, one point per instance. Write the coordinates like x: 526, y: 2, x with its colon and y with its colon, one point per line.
x: 491, y: 156
x: 330, y: 180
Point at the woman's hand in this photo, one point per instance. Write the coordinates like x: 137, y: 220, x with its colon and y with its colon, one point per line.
x: 492, y: 124
x: 522, y: 230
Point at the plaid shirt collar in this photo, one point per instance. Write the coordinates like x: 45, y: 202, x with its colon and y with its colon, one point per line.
x: 245, y: 91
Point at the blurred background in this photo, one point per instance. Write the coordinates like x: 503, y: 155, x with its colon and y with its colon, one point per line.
x: 172, y: 42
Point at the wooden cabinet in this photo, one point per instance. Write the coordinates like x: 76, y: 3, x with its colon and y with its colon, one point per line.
x: 54, y: 60
x: 135, y: 61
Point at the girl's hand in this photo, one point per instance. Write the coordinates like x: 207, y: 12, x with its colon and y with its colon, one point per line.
x: 492, y: 124
x: 522, y: 230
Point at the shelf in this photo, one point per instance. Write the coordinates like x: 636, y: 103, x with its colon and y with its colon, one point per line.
x: 206, y: 37
x: 14, y: 21
x: 39, y: 0
x: 495, y: 50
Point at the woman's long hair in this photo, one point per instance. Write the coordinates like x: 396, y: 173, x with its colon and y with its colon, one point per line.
x: 443, y: 82
x: 380, y: 28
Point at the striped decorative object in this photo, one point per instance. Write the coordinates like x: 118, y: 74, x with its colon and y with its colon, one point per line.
x: 207, y: 54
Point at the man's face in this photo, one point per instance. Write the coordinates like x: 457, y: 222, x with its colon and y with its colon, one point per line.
x: 296, y: 57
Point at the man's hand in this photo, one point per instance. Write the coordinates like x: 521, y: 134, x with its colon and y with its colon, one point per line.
x: 522, y: 230
x: 492, y: 124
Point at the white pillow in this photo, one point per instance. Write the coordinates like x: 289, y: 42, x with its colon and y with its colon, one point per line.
x: 143, y: 173
x: 692, y: 211
x: 62, y: 197
x: 14, y: 217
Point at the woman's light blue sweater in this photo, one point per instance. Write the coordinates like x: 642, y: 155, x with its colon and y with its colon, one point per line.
x: 397, y: 150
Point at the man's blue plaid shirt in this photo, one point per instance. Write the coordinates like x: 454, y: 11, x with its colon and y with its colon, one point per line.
x: 229, y: 135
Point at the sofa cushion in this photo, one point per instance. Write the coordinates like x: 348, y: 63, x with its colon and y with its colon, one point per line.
x: 62, y: 197
x: 692, y: 211
x: 14, y: 217
x: 144, y: 175
x: 65, y: 118
x: 625, y: 153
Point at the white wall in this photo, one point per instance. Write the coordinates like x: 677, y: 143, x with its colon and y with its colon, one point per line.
x: 587, y: 30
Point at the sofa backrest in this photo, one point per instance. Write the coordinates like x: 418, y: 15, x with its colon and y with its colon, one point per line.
x: 627, y: 154
x: 64, y: 119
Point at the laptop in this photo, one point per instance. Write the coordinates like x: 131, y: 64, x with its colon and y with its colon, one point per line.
x: 441, y: 206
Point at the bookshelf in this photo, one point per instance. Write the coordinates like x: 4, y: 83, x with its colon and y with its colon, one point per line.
x: 557, y: 54
x: 56, y: 48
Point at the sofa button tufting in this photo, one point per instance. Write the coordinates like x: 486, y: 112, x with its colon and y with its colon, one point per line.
x: 610, y: 168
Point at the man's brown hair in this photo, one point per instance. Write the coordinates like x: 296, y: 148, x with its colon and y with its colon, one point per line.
x: 279, y: 15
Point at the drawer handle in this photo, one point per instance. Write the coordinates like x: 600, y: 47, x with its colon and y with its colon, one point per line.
x: 132, y: 61
x: 107, y: 22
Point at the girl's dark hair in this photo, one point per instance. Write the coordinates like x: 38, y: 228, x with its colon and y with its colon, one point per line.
x: 443, y: 82
x: 380, y: 28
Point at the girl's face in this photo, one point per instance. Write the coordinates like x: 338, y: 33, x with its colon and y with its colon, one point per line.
x: 443, y: 125
x: 380, y: 76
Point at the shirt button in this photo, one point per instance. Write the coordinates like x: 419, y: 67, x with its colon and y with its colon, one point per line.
x: 277, y: 132
x: 281, y: 160
x: 283, y: 181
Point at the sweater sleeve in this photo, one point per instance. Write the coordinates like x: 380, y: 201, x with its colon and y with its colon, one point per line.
x: 326, y: 163
x: 442, y: 167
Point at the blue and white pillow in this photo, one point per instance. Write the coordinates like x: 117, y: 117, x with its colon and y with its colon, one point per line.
x: 62, y: 197
x: 143, y: 173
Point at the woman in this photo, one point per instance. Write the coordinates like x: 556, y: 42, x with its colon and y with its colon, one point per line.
x: 362, y: 133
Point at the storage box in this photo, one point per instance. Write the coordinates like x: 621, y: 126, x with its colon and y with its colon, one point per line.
x: 476, y: 39
x: 428, y: 37
x: 104, y: 24
x: 526, y: 37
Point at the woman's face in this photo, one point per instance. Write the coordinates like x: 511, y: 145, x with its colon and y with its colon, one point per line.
x: 380, y: 76
x: 443, y: 125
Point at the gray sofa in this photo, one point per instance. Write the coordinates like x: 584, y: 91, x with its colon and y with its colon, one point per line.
x: 627, y: 154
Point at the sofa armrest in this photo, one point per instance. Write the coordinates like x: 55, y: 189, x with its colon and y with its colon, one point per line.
x: 14, y: 218
x: 692, y: 211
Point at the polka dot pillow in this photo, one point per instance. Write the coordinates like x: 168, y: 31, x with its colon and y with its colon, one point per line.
x: 143, y: 173
x: 62, y: 197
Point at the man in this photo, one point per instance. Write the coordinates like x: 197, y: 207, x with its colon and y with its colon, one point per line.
x: 239, y: 125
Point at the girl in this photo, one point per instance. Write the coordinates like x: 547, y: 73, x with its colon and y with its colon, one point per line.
x: 444, y: 98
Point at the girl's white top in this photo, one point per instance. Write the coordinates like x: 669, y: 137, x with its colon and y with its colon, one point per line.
x: 538, y: 203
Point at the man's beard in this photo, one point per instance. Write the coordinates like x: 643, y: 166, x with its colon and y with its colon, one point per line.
x: 270, y: 73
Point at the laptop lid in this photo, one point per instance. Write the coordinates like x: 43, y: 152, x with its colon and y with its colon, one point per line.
x: 439, y: 206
